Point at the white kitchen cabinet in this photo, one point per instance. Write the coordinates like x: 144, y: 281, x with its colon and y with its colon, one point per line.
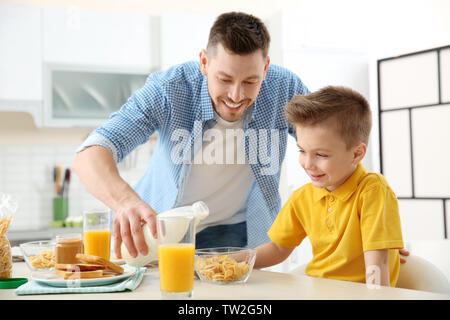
x: 101, y: 39
x: 20, y: 53
x: 85, y: 97
x: 21, y: 59
x: 35, y: 40
x: 100, y: 50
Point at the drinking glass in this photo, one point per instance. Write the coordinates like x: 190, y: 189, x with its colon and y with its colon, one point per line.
x: 97, y: 233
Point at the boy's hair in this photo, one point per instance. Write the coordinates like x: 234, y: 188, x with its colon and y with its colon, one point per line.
x: 348, y: 108
x: 239, y: 33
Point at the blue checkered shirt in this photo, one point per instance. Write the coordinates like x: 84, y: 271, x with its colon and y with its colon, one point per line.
x: 177, y: 99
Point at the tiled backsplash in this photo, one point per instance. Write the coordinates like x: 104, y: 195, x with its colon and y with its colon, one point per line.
x: 26, y: 171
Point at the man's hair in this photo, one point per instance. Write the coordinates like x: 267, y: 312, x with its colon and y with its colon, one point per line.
x: 348, y: 108
x: 239, y: 33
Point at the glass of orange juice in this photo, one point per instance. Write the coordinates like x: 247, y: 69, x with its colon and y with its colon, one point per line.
x: 97, y: 233
x: 176, y: 253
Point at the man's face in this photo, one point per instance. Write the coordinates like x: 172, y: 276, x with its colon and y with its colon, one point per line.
x: 233, y: 80
x: 325, y: 156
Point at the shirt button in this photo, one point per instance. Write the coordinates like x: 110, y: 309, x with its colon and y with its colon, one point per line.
x: 330, y: 209
x: 331, y: 199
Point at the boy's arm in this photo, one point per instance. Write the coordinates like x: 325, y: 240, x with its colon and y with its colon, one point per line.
x: 377, y: 267
x: 270, y: 254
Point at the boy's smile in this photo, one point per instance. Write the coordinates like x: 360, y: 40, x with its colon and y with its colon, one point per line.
x: 324, y: 154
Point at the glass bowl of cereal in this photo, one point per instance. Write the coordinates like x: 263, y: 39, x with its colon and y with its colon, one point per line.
x: 39, y: 255
x: 224, y: 265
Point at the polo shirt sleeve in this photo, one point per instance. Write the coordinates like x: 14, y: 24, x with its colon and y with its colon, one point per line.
x: 133, y: 124
x: 380, y: 219
x: 287, y: 230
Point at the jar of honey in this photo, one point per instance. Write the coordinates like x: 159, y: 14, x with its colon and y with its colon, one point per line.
x: 66, y: 248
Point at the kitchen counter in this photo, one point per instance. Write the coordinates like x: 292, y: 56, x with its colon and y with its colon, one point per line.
x: 262, y: 285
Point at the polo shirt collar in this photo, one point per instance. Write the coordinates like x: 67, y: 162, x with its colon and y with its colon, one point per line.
x: 345, y: 191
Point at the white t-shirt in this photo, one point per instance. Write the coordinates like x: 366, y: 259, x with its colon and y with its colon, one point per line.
x: 220, y: 175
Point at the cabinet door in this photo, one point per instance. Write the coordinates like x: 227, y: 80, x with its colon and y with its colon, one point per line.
x: 20, y: 53
x: 109, y: 39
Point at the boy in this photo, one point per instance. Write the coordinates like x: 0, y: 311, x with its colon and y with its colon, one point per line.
x: 350, y: 216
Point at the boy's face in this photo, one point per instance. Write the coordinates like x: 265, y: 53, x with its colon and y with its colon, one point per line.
x: 324, y: 154
x: 233, y: 80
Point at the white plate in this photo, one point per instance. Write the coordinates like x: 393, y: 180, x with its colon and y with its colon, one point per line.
x: 52, y: 279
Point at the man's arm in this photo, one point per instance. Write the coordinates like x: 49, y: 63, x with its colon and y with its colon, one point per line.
x: 98, y: 172
x: 377, y: 267
x: 270, y: 254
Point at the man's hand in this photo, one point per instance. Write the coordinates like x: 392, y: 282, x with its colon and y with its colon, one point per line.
x: 127, y: 227
x: 98, y: 172
x: 403, y: 253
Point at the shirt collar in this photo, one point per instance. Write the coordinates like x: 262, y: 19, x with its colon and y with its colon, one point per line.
x: 344, y: 191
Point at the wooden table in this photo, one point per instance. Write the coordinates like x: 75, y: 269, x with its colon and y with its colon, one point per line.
x: 262, y: 285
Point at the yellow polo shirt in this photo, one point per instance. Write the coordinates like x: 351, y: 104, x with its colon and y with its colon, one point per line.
x: 361, y: 215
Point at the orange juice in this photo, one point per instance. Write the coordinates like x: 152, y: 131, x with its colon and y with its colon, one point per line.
x: 176, y: 267
x: 97, y: 243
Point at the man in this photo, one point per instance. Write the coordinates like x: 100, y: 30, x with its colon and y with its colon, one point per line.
x: 193, y: 106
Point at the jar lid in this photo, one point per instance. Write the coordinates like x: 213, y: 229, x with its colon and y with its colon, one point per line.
x: 12, y: 283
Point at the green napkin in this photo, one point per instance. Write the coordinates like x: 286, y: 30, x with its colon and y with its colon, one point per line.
x: 127, y: 284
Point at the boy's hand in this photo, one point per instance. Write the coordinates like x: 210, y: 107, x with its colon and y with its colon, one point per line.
x: 403, y: 253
